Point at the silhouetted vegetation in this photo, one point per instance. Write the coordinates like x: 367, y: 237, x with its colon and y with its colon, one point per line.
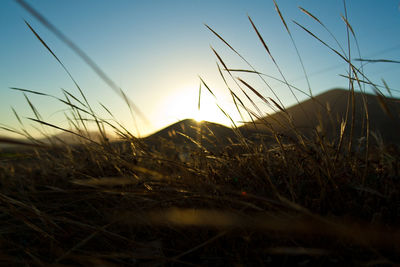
x: 312, y: 184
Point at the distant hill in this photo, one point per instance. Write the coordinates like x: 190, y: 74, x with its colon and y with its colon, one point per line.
x: 69, y: 138
x: 329, y: 109
x: 188, y: 132
x: 11, y: 144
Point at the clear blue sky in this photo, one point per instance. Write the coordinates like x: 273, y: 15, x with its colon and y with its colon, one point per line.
x: 155, y: 50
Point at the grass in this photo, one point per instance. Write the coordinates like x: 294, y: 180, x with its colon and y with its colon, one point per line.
x: 303, y: 200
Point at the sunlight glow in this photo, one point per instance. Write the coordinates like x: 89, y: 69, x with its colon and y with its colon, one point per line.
x: 183, y: 104
x: 208, y: 112
x: 198, y: 116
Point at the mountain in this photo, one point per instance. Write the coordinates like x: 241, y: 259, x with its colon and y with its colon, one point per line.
x: 188, y: 132
x: 70, y: 138
x: 326, y: 111
x: 11, y: 144
x: 323, y: 112
x: 62, y: 138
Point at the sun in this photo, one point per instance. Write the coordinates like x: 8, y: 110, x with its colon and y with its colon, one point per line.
x: 208, y: 112
x: 198, y: 116
x: 183, y: 104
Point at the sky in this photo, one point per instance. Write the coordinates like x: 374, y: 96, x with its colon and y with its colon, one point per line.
x: 157, y: 51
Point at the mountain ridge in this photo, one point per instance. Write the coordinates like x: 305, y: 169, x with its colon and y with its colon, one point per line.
x: 328, y: 110
x: 323, y: 112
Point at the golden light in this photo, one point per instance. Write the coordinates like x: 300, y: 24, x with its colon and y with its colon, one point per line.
x: 183, y: 104
x: 198, y: 116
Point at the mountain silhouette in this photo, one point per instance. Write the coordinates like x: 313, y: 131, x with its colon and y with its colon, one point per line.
x: 192, y: 134
x: 325, y: 113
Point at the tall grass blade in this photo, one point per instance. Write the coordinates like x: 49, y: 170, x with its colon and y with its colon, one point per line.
x: 277, y: 105
x: 351, y: 101
x: 198, y: 102
x: 233, y: 95
x: 294, y: 45
x: 208, y: 88
x: 131, y: 111
x: 274, y: 61
x: 254, y: 90
x: 73, y: 97
x: 368, y: 82
x: 78, y: 51
x: 324, y: 43
x: 230, y: 90
x: 323, y: 25
x: 377, y: 60
x: 16, y: 115
x: 280, y: 15
x: 62, y: 129
x: 387, y: 88
x: 383, y: 103
x: 28, y: 91
x: 247, y: 62
x: 271, y: 77
x: 259, y: 36
x: 33, y: 108
x: 222, y: 39
x: 348, y: 25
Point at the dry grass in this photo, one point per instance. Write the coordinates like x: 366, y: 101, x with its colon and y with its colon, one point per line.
x: 300, y: 199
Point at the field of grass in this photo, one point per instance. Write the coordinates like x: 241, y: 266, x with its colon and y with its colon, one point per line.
x: 285, y: 199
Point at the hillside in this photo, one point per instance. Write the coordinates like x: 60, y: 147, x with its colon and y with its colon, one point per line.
x: 189, y: 133
x: 326, y: 112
